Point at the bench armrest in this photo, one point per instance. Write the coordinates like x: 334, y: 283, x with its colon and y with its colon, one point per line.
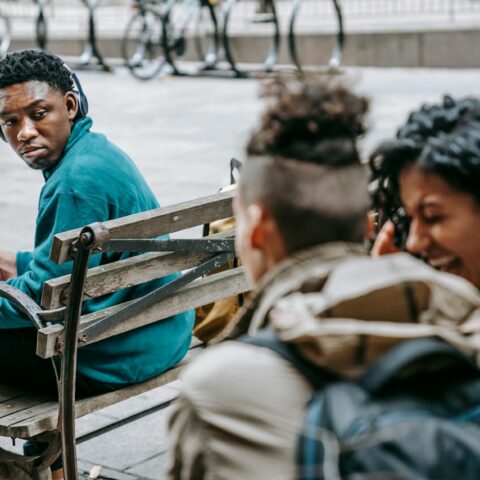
x: 23, y: 303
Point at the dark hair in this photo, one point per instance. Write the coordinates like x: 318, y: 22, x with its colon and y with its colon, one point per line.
x: 303, y: 164
x: 443, y: 139
x: 35, y: 64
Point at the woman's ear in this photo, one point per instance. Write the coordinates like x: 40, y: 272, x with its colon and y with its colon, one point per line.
x: 71, y: 102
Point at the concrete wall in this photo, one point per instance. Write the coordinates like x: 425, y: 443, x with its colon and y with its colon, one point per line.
x: 443, y: 49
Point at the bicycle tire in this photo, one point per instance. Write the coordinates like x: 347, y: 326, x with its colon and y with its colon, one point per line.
x: 181, y: 34
x: 336, y: 54
x: 274, y: 40
x: 141, y: 45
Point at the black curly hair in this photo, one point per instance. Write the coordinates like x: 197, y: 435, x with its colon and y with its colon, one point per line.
x: 303, y: 164
x: 443, y: 139
x: 35, y: 64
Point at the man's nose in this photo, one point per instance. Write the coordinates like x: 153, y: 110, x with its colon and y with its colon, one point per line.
x: 27, y: 131
x: 418, y: 239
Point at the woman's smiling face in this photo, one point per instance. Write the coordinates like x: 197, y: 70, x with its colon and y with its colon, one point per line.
x: 445, y: 223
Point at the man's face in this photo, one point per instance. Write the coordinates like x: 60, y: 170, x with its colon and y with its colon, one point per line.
x: 36, y: 120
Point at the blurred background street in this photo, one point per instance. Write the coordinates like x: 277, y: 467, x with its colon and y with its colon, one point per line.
x: 183, y: 131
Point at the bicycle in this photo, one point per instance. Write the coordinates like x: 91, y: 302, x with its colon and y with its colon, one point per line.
x: 159, y: 33
x: 191, y: 22
x: 142, y: 41
x: 337, y: 51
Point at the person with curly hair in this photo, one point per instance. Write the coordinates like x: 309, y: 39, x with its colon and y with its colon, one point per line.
x: 87, y: 179
x: 301, y: 204
x: 426, y: 188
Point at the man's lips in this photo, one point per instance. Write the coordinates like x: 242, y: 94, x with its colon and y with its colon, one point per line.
x: 31, y: 152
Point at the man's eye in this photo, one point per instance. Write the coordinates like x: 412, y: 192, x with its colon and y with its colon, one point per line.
x: 39, y: 114
x: 9, y: 122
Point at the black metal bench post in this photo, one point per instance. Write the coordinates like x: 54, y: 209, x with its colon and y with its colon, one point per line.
x: 81, y: 250
x: 91, y: 51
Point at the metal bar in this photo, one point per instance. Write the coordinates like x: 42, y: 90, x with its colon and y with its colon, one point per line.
x: 124, y: 421
x: 23, y: 303
x: 154, y: 297
x: 69, y: 354
x: 91, y: 49
x: 179, y: 246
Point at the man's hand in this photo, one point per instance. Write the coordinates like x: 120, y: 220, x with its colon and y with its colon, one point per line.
x: 384, y: 244
x: 8, y: 265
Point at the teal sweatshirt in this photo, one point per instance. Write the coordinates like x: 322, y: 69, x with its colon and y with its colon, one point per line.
x: 95, y: 181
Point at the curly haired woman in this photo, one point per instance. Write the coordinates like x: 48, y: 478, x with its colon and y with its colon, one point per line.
x: 427, y: 188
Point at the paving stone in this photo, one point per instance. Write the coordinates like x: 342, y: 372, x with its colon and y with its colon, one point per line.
x: 128, y: 445
x: 84, y: 468
x: 153, y: 469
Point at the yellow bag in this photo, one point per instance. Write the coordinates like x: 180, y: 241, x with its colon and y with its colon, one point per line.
x: 211, y: 319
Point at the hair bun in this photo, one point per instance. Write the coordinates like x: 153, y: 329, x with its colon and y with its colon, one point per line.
x: 309, y: 120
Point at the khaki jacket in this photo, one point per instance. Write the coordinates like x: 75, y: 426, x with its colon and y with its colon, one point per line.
x: 344, y: 309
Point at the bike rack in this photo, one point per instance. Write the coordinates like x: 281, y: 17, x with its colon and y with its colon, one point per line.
x: 337, y: 52
x: 41, y: 30
x: 222, y: 53
x: 91, y: 51
x: 272, y: 55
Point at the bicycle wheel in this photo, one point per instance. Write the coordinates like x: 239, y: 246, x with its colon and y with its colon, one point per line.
x: 190, y: 32
x: 306, y: 51
x: 5, y: 35
x: 245, y: 18
x: 141, y: 45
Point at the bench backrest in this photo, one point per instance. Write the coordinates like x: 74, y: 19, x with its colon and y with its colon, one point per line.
x: 141, y: 268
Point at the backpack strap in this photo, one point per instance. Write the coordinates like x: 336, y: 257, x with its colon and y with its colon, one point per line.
x: 409, y: 354
x: 266, y: 338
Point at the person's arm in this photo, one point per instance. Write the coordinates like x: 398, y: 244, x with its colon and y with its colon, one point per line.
x: 8, y: 265
x: 61, y: 213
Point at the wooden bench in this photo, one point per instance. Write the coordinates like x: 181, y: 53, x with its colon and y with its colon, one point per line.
x: 62, y: 328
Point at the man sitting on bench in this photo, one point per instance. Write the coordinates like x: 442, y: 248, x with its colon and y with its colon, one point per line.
x: 43, y: 116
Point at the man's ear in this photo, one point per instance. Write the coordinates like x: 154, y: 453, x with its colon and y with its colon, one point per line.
x: 256, y: 217
x: 71, y: 102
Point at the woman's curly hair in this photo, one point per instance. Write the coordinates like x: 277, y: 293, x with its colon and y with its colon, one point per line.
x: 35, y: 64
x: 443, y: 139
x: 310, y: 121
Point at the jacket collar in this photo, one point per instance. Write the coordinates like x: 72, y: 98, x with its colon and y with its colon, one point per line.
x: 302, y: 271
x: 79, y: 130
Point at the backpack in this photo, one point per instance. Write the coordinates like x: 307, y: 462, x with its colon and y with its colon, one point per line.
x: 414, y: 414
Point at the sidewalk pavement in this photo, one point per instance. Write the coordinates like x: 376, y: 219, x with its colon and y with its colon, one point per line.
x: 182, y: 132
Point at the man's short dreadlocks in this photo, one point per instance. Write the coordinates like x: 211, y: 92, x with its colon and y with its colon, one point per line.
x: 35, y: 64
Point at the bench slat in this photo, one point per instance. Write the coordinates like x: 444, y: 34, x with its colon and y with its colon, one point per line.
x: 44, y: 416
x: 155, y: 222
x: 201, y: 292
x: 19, y: 405
x: 125, y: 273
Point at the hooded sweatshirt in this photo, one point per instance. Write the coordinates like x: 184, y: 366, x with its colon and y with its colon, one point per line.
x: 95, y: 181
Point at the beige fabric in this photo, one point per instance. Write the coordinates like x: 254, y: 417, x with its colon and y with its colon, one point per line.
x: 241, y: 406
x: 367, y: 306
x: 238, y: 416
